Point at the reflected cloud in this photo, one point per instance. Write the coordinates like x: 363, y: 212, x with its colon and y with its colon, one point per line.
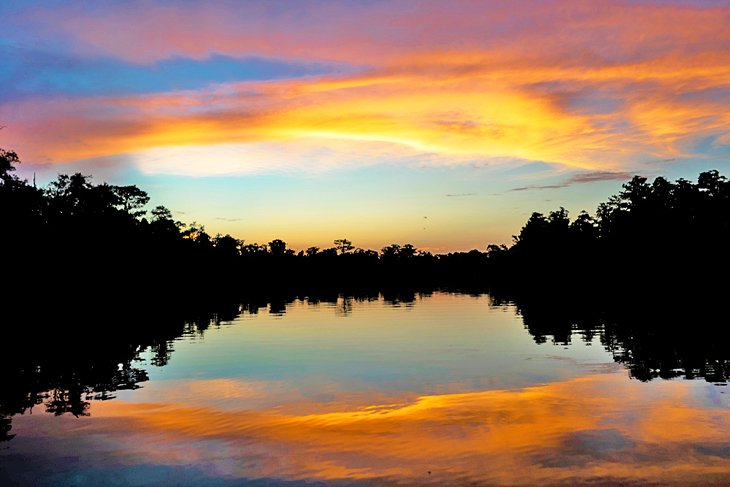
x: 599, y: 428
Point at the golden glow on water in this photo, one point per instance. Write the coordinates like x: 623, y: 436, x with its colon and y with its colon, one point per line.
x: 600, y: 427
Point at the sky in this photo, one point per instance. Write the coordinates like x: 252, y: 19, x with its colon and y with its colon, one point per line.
x: 441, y: 124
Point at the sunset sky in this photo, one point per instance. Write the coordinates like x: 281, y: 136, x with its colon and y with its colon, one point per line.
x: 439, y: 123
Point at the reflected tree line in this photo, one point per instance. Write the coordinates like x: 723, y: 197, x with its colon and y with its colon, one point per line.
x: 69, y: 357
x: 59, y: 362
x: 94, y: 279
x: 88, y: 357
x: 665, y: 340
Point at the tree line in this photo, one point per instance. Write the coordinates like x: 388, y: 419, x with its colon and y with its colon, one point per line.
x: 652, y: 236
x: 76, y: 238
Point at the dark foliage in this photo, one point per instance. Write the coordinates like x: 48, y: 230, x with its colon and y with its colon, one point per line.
x: 650, y: 238
x: 71, y: 355
x: 75, y: 240
x: 656, y: 337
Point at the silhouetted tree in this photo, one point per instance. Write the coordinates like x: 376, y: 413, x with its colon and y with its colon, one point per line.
x: 132, y: 199
x: 227, y: 245
x: 277, y: 247
x: 391, y: 251
x: 343, y: 245
x: 8, y: 159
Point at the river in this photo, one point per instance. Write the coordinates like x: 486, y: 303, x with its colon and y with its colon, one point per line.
x: 433, y: 389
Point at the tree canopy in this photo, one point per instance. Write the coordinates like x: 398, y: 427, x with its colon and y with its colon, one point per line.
x: 660, y: 232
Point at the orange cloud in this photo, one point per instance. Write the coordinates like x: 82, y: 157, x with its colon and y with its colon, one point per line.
x: 600, y: 428
x: 490, y: 113
x: 599, y: 87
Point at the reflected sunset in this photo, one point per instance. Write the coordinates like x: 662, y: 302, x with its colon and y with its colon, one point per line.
x: 437, y: 390
x: 599, y: 428
x: 355, y: 243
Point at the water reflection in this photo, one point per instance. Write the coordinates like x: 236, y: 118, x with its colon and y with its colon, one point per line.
x: 663, y: 338
x: 63, y: 371
x: 602, y: 429
x: 62, y: 368
x: 414, y: 389
x: 555, y: 432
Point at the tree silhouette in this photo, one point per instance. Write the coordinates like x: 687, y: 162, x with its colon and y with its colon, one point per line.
x: 277, y: 247
x: 132, y: 200
x: 343, y: 245
x: 8, y: 159
x: 661, y: 232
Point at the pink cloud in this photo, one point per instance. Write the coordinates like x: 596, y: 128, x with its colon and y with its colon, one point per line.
x: 381, y: 33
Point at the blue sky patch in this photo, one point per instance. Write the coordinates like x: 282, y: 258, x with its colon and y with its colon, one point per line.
x: 31, y: 73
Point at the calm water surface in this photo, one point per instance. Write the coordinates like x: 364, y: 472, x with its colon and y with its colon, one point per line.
x: 447, y: 390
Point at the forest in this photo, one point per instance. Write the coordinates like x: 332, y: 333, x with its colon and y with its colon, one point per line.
x: 75, y: 240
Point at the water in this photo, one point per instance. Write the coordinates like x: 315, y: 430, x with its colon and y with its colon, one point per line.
x: 446, y: 389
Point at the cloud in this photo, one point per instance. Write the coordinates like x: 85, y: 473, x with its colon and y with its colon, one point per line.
x: 453, y: 116
x: 593, y: 177
x: 531, y: 81
x: 583, y: 178
x: 459, y: 195
x: 290, y: 157
x: 379, y: 33
x: 113, y: 169
x: 545, y: 186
